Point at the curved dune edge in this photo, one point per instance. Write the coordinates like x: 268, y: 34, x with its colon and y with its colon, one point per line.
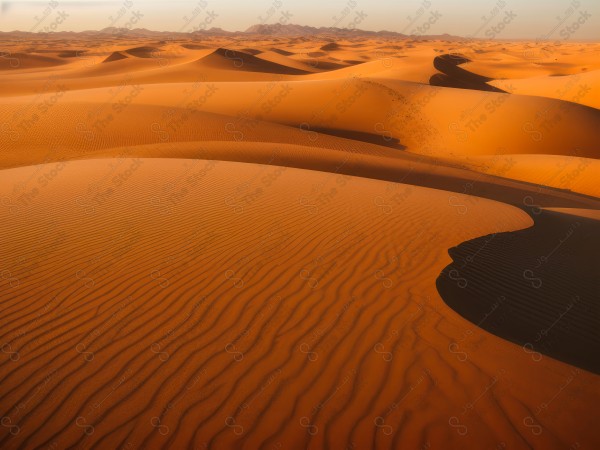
x: 228, y: 59
x: 88, y: 128
x: 452, y: 75
x: 568, y: 172
x: 143, y: 52
x: 536, y: 287
x: 342, y: 159
x: 167, y: 248
x: 115, y: 56
x: 420, y: 118
x: 374, y: 163
x: 23, y: 61
x: 579, y: 212
x: 580, y: 88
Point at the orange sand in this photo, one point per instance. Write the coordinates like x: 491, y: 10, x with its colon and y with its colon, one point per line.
x: 234, y: 244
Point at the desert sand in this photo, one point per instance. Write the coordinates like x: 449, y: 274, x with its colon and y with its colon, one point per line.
x: 286, y: 243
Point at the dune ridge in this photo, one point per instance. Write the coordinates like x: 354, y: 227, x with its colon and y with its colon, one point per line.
x: 223, y: 58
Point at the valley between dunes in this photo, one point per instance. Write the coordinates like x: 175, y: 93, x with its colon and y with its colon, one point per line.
x: 235, y: 244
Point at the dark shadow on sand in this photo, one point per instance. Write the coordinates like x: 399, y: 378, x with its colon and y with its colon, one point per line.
x: 385, y: 141
x: 539, y: 287
x: 456, y: 77
x: 239, y: 60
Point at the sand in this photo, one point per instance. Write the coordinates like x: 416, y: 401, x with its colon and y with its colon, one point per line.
x: 229, y: 243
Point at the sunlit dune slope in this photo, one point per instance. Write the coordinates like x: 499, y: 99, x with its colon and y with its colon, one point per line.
x: 144, y: 311
x: 423, y: 119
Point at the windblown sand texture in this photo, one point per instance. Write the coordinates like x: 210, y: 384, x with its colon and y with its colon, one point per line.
x: 234, y: 243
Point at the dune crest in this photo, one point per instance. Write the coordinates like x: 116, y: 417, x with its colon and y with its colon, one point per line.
x: 227, y: 59
x: 115, y: 56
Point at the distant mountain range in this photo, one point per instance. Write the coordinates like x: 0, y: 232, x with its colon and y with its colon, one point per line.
x: 303, y: 30
x: 289, y: 30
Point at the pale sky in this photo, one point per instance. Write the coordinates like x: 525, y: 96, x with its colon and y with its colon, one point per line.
x: 503, y: 19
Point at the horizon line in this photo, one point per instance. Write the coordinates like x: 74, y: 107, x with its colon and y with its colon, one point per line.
x: 337, y: 29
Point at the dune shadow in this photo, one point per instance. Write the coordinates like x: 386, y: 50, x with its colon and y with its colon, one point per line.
x: 385, y: 141
x: 15, y: 61
x: 252, y: 51
x: 331, y: 46
x: 443, y: 80
x: 538, y: 288
x: 228, y: 59
x: 456, y: 77
x: 143, y: 52
x: 71, y: 53
x: 352, y: 62
x: 196, y: 46
x: 115, y: 56
x: 282, y: 52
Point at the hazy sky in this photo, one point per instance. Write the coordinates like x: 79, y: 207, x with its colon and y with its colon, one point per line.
x: 502, y: 19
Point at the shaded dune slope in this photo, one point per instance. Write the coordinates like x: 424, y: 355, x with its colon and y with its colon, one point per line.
x: 282, y: 51
x: 115, y: 56
x: 454, y: 76
x: 143, y: 52
x: 330, y: 46
x: 536, y: 287
x: 17, y: 61
x: 221, y: 138
x: 224, y: 58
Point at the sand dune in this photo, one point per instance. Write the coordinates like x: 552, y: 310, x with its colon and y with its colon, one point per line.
x: 20, y: 61
x: 195, y: 46
x: 71, y: 53
x: 228, y: 59
x: 580, y: 88
x: 86, y: 127
x: 143, y: 52
x: 454, y: 76
x: 330, y: 46
x: 537, y: 287
x: 252, y: 51
x: 234, y: 243
x: 115, y: 56
x: 283, y: 61
x: 412, y: 111
x: 282, y: 51
x: 169, y: 263
x: 569, y: 172
x: 587, y: 213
